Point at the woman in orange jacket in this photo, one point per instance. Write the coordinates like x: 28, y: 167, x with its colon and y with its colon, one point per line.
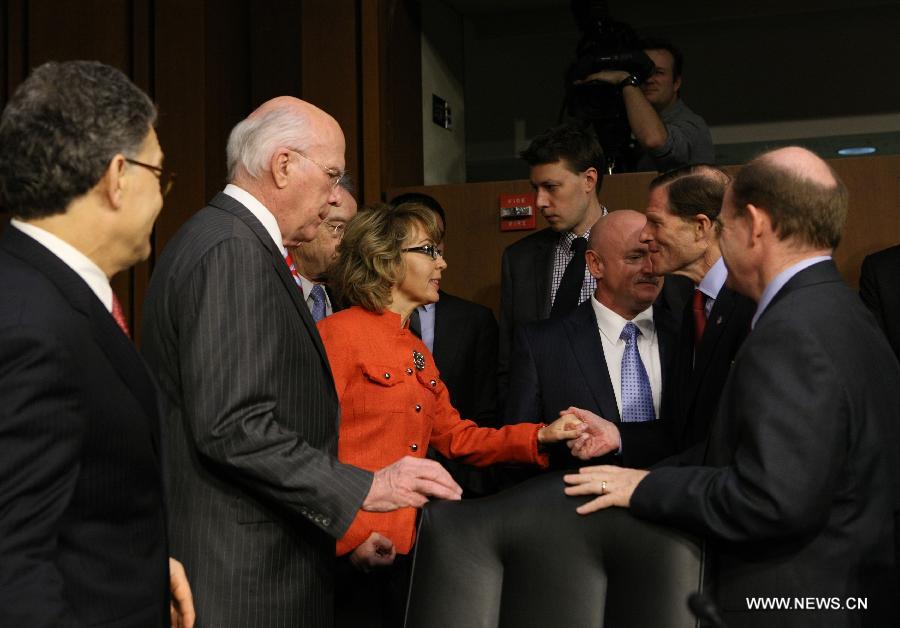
x: 393, y: 402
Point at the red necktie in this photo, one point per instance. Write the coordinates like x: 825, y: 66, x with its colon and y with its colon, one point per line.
x: 119, y: 316
x: 699, y: 316
x: 290, y: 263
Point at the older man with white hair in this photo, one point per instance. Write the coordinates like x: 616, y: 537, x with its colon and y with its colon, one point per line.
x: 257, y: 494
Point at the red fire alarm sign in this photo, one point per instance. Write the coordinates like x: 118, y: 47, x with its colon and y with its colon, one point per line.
x: 516, y: 212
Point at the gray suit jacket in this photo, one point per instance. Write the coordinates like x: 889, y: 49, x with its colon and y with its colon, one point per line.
x: 251, y: 426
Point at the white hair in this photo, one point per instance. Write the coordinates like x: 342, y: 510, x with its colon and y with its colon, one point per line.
x: 254, y: 140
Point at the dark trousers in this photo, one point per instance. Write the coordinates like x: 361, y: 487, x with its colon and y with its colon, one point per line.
x: 371, y: 600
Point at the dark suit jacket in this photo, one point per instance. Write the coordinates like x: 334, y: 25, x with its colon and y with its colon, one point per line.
x: 526, y: 274
x: 698, y: 381
x: 796, y: 494
x: 257, y: 496
x: 560, y: 363
x: 465, y: 351
x: 82, y: 520
x: 879, y: 287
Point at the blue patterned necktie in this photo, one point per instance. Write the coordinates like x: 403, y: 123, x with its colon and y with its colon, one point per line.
x: 318, y: 296
x: 637, y: 399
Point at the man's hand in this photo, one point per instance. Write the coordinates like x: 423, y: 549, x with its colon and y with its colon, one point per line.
x: 409, y: 482
x: 181, y: 608
x: 613, y: 77
x: 599, y: 437
x: 375, y: 551
x: 614, y: 485
x: 566, y: 427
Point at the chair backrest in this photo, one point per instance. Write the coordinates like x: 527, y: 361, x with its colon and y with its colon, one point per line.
x: 525, y: 558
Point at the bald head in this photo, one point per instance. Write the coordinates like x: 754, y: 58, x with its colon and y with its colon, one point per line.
x: 613, y: 229
x: 801, y: 163
x: 805, y: 200
x: 621, y: 264
x: 284, y: 121
x: 289, y: 155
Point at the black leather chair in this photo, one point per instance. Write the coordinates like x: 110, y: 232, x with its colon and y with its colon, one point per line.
x: 525, y: 558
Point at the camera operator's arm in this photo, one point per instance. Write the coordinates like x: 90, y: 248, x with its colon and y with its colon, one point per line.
x: 645, y: 123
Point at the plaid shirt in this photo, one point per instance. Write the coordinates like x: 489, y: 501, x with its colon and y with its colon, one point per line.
x: 562, y: 255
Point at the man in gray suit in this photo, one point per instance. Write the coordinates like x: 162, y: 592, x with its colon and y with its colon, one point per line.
x: 251, y: 427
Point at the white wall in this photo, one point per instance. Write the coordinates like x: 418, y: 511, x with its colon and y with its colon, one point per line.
x: 444, y: 150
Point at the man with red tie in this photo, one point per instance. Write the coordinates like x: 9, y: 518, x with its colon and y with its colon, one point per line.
x: 82, y: 516
x: 681, y: 233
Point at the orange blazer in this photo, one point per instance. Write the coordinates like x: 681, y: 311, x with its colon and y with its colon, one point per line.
x: 393, y: 407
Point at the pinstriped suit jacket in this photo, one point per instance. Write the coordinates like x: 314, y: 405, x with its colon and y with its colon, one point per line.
x: 251, y: 424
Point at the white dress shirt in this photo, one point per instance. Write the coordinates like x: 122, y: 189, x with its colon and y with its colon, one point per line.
x: 93, y: 276
x: 610, y: 326
x: 259, y: 210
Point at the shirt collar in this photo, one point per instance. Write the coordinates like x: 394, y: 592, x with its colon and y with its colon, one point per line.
x: 83, y: 266
x: 260, y: 211
x: 611, y: 324
x: 780, y: 280
x: 715, y: 277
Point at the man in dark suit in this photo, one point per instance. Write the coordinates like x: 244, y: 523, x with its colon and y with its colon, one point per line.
x: 566, y: 171
x: 82, y: 514
x: 252, y: 419
x: 798, y: 486
x: 681, y: 233
x: 581, y: 359
x: 879, y: 287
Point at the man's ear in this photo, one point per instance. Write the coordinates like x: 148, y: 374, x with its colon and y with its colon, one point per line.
x: 113, y: 183
x: 279, y: 166
x: 703, y: 226
x: 760, y: 221
x: 590, y: 180
x: 594, y: 263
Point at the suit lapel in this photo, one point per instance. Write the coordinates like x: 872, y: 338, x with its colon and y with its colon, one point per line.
x: 543, y: 272
x: 119, y: 350
x: 444, y: 326
x: 584, y: 339
x: 226, y: 203
x: 715, y: 326
x: 667, y: 337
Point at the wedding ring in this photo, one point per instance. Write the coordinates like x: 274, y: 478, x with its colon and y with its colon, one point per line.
x: 603, y: 487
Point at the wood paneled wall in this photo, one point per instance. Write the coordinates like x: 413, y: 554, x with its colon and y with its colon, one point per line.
x: 475, y: 244
x: 207, y: 64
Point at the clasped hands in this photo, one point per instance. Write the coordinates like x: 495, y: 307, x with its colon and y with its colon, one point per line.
x: 614, y: 485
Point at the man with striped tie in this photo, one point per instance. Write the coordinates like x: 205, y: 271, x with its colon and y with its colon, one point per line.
x: 609, y: 357
x: 315, y: 258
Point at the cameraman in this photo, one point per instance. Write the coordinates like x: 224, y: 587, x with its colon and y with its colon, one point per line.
x: 669, y: 134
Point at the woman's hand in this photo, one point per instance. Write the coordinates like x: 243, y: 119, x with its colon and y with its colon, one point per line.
x: 375, y: 551
x: 566, y: 427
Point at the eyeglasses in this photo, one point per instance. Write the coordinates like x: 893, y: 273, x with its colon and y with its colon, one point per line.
x: 336, y: 229
x: 333, y: 173
x: 166, y: 178
x: 430, y: 250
